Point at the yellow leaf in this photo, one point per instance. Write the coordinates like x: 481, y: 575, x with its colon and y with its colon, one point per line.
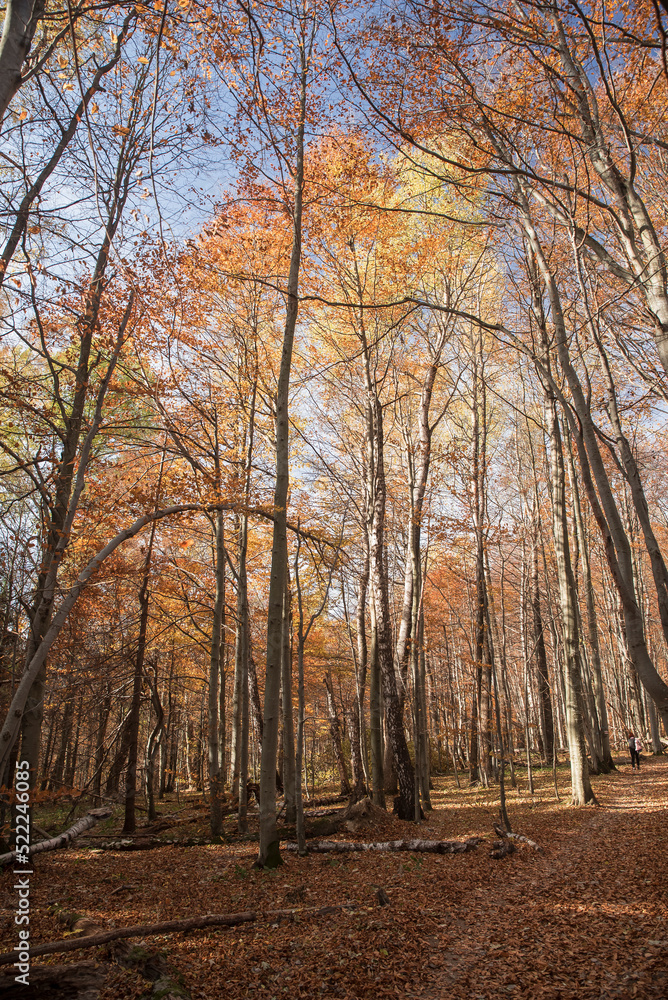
x: 62, y: 61
x: 143, y: 60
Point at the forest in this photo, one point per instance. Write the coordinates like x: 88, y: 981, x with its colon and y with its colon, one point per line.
x: 333, y: 385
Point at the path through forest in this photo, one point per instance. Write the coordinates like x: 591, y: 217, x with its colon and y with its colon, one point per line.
x: 587, y: 919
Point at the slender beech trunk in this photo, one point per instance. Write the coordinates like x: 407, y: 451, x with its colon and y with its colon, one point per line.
x: 130, y: 822
x: 479, y: 758
x: 301, y: 721
x: 156, y: 737
x: 499, y: 731
x: 289, y: 775
x: 362, y: 656
x: 423, y: 722
x: 593, y: 724
x: 375, y: 715
x: 73, y: 749
x: 358, y: 787
x: 269, y: 855
x: 302, y: 636
x: 255, y: 700
x: 657, y: 746
x: 241, y: 709
x: 474, y: 751
x: 239, y: 651
x: 607, y: 763
x: 48, y: 753
x: 336, y: 736
x: 355, y: 716
x: 418, y: 459
x: 120, y: 757
x: 379, y: 586
x: 166, y: 766
x: 580, y: 784
x: 501, y: 644
x: 215, y: 665
x: 242, y: 818
x: 480, y: 739
x: 544, y: 696
x: 104, y: 712
x: 58, y: 771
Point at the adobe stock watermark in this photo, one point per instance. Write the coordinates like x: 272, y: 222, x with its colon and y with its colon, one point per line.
x: 23, y: 870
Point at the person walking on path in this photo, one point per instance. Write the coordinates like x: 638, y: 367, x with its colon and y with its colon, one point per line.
x: 635, y: 746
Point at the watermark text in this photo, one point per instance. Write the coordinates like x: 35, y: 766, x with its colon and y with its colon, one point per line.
x: 22, y: 870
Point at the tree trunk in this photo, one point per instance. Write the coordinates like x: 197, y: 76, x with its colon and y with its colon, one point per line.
x: 269, y: 855
x: 362, y: 659
x: 104, y: 712
x: 601, y: 761
x: 129, y: 825
x: 405, y: 803
x: 215, y: 664
x: 239, y: 652
x: 73, y: 750
x: 580, y: 784
x: 155, y: 739
x: 58, y: 772
x: 335, y: 734
x: 544, y: 696
x: 21, y: 20
x: 289, y: 767
x: 301, y: 720
x: 358, y: 789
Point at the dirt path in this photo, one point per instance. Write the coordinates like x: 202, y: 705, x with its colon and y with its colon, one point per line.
x: 587, y: 920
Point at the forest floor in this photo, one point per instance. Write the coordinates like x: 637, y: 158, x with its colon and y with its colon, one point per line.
x: 585, y: 919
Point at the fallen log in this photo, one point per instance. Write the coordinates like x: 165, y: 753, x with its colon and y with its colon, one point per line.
x: 317, y: 813
x: 500, y: 832
x: 502, y: 848
x: 137, y: 844
x: 525, y: 840
x: 419, y: 846
x: 328, y: 800
x: 173, y: 926
x: 150, y: 965
x: 63, y: 839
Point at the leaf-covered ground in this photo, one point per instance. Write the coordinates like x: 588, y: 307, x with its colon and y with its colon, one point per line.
x: 586, y: 919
